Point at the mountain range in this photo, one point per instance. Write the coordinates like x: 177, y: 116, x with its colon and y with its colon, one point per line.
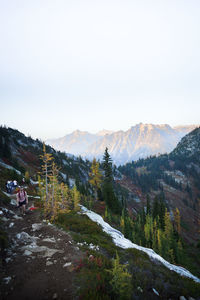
x: 172, y: 177
x: 140, y: 141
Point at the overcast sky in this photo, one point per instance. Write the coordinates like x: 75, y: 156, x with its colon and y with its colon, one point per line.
x: 89, y: 65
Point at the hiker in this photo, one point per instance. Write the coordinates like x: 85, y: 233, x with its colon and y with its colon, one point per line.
x: 22, y: 200
x: 15, y: 183
x: 12, y: 187
x: 9, y: 186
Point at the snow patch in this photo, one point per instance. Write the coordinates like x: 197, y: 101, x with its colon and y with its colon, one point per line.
x: 33, y: 182
x: 10, y: 168
x: 155, y: 292
x: 122, y: 242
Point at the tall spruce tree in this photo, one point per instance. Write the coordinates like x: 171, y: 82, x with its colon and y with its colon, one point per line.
x: 108, y: 190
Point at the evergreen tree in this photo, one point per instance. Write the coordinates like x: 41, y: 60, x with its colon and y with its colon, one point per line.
x: 155, y: 210
x: 148, y: 230
x: 108, y: 190
x: 177, y: 220
x: 76, y: 198
x: 148, y: 209
x: 121, y: 280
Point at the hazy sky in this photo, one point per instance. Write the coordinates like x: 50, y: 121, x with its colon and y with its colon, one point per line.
x: 89, y: 65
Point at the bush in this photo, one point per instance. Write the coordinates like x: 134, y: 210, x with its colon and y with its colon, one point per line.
x: 93, y: 278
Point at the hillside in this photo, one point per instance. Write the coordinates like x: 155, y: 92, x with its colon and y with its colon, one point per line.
x: 140, y: 141
x: 176, y: 176
x: 74, y: 256
x: 73, y: 262
x: 23, y: 154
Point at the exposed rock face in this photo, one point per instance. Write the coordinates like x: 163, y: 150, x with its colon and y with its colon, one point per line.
x: 139, y: 141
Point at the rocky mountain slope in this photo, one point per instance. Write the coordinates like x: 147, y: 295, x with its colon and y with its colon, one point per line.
x: 23, y: 154
x: 139, y: 141
x: 176, y: 176
x: 74, y: 263
x: 40, y: 260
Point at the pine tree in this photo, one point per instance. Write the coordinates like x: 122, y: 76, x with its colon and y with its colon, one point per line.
x: 55, y: 196
x: 155, y: 210
x: 122, y: 221
x: 168, y: 226
x: 148, y: 230
x: 95, y: 177
x: 169, y: 236
x: 75, y: 198
x: 108, y: 191
x: 27, y: 177
x: 177, y: 220
x: 121, y: 280
x: 46, y: 169
x: 148, y: 209
x: 179, y: 252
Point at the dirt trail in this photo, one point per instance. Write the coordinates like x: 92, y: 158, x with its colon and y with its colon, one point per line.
x: 40, y: 258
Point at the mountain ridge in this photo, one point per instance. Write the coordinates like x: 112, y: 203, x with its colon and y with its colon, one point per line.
x: 139, y: 141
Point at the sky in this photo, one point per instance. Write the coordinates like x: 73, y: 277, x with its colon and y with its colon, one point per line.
x: 93, y: 65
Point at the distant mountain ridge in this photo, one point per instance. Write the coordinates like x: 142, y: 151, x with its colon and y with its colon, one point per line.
x: 139, y: 141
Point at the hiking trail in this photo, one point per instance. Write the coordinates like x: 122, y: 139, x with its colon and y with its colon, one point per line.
x: 39, y: 263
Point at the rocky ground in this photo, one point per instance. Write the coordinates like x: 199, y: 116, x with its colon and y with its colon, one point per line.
x: 40, y: 260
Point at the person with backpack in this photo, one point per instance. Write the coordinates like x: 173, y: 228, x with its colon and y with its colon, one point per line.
x: 8, y: 187
x: 22, y: 200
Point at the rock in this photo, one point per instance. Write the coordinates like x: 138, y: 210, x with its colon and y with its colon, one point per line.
x: 67, y: 264
x: 4, y: 219
x: 49, y: 263
x: 190, y: 298
x: 140, y: 289
x: 13, y: 202
x: 51, y: 240
x: 51, y: 252
x: 11, y: 225
x: 8, y: 259
x: 25, y: 237
x: 1, y: 213
x: 55, y: 296
x: 7, y: 279
x: 91, y: 257
x: 182, y: 298
x: 27, y: 252
x: 36, y: 249
x: 37, y: 226
x: 4, y: 209
x: 17, y: 217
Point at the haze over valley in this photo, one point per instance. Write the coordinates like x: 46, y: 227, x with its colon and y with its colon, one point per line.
x: 140, y: 141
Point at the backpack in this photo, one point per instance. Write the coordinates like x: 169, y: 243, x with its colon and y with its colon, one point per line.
x: 19, y: 195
